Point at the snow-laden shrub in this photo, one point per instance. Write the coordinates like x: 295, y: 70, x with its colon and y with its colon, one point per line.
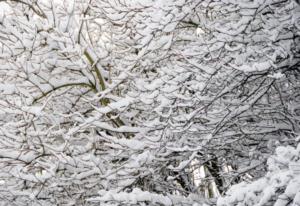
x: 279, y: 187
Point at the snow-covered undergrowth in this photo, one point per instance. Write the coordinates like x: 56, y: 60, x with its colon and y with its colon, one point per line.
x: 279, y: 187
x: 139, y: 197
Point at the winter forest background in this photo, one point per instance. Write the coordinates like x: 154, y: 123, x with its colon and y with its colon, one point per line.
x: 149, y: 102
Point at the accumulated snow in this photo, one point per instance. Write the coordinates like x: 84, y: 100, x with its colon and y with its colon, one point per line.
x: 140, y: 197
x: 7, y: 89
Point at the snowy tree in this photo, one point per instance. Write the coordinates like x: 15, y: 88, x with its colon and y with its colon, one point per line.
x: 53, y: 99
x: 121, y: 102
x: 225, y: 79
